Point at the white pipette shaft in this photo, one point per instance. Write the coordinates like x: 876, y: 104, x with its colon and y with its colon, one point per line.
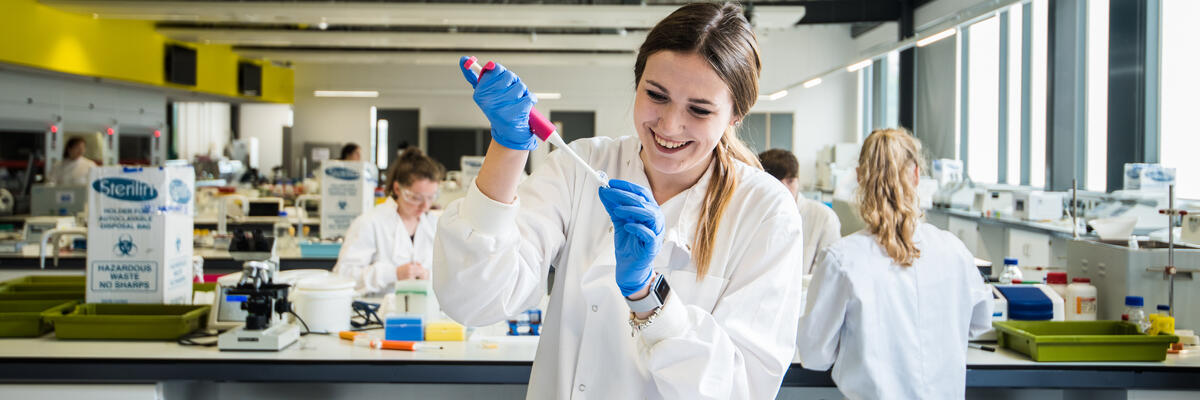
x: 554, y: 138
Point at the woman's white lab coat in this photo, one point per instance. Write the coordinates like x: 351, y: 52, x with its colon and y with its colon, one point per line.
x: 893, y: 332
x: 377, y: 242
x: 71, y: 172
x: 727, y: 336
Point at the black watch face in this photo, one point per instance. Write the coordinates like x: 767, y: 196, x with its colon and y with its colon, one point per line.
x: 662, y: 289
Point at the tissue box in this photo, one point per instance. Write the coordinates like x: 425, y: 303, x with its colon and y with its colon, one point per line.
x: 347, y: 190
x: 139, y: 245
x: 403, y: 327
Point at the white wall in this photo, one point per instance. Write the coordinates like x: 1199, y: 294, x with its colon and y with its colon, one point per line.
x: 823, y: 115
x: 265, y: 122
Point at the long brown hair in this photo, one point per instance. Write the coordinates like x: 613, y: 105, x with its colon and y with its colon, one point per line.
x: 411, y: 165
x: 721, y: 35
x: 887, y: 191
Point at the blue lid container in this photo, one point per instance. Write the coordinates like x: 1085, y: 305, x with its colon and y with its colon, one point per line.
x: 1164, y: 307
x: 1134, y: 301
x: 1027, y: 303
x: 1010, y: 261
x: 404, y: 327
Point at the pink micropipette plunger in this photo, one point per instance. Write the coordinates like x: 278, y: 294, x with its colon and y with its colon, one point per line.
x: 543, y: 129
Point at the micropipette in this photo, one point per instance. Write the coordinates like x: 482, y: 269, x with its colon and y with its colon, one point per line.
x: 542, y: 128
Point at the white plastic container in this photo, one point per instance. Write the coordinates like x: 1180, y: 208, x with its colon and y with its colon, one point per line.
x: 1058, y: 282
x: 292, y: 276
x: 1081, y: 300
x: 415, y: 296
x: 324, y: 302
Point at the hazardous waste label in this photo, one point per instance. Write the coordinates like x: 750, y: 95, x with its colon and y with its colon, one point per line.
x: 124, y: 276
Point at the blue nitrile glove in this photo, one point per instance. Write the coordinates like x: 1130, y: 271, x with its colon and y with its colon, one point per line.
x: 506, y: 102
x: 637, y: 229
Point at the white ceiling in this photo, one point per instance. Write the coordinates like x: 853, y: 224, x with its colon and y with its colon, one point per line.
x: 368, y: 13
x: 408, y: 33
x: 439, y: 58
x: 408, y: 40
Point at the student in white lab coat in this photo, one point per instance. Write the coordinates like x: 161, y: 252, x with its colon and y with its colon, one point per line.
x: 74, y: 167
x: 394, y: 240
x: 712, y: 224
x: 821, y: 226
x: 891, y: 307
x: 351, y: 152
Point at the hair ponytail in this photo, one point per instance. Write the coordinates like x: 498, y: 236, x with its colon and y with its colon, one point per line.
x: 887, y: 191
x: 716, y: 197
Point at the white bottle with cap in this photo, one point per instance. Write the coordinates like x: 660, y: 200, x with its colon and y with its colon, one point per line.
x: 1081, y: 300
x: 1011, y: 273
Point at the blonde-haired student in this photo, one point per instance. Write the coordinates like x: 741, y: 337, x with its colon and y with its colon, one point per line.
x: 891, y: 307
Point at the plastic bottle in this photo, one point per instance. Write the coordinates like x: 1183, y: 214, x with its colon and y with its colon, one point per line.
x: 1163, y: 310
x: 283, y: 237
x: 1161, y: 323
x: 1081, y: 300
x: 1135, y: 313
x: 1011, y: 273
x: 1058, y: 282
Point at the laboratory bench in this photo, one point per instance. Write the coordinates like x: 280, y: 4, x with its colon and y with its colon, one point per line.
x: 327, y: 359
x: 506, y: 361
x: 215, y: 260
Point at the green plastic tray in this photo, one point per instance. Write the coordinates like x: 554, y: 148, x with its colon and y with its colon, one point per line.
x: 26, y: 292
x: 1082, y: 341
x: 128, y: 321
x: 23, y: 318
x: 49, y: 282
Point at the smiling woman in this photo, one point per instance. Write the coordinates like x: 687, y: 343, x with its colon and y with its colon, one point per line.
x: 687, y: 203
x: 714, y: 70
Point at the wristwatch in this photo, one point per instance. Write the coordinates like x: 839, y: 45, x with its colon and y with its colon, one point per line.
x: 655, y: 299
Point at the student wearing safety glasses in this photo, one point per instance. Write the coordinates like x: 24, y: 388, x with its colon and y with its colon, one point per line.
x: 394, y: 241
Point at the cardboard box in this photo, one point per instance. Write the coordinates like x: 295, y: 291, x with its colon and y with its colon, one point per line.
x: 347, y: 190
x: 140, y: 234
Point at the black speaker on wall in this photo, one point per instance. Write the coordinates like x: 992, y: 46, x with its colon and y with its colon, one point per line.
x: 180, y: 65
x: 249, y: 79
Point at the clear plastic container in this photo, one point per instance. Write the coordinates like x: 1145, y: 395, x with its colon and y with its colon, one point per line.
x: 1135, y: 312
x: 1011, y: 273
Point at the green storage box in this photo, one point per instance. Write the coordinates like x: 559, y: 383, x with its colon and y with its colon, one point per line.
x: 26, y: 292
x: 44, y: 287
x: 49, y: 282
x: 23, y: 318
x: 129, y: 321
x: 204, y: 287
x: 1081, y: 341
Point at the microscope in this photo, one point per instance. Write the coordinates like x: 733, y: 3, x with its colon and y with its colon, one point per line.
x: 261, y: 297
